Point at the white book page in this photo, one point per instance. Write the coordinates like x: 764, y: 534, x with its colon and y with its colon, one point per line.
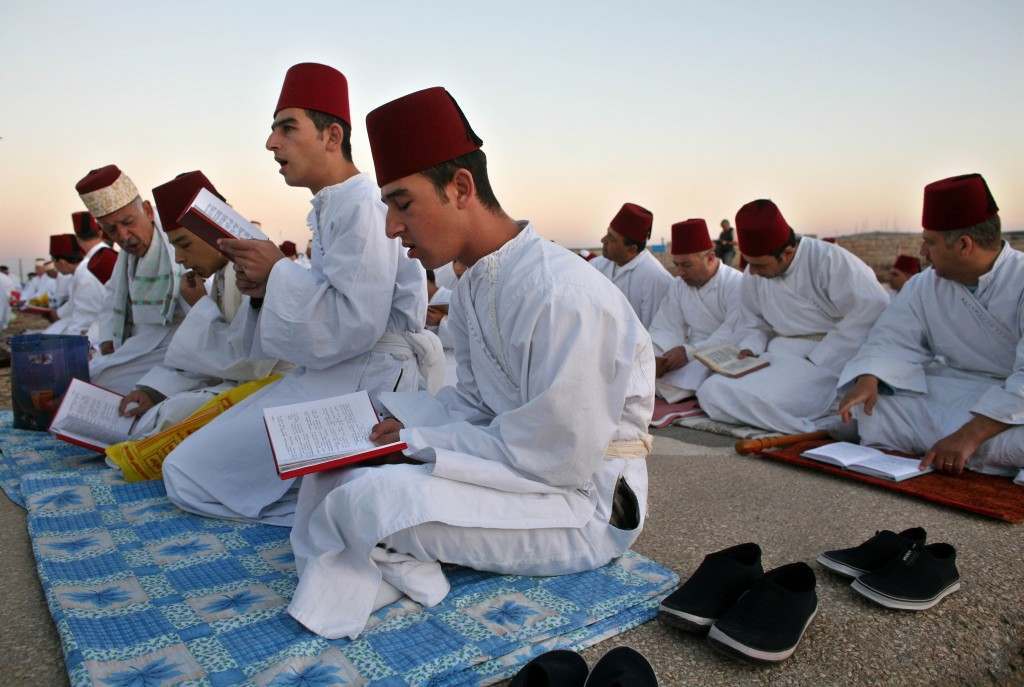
x: 689, y: 377
x: 1019, y: 479
x: 726, y: 358
x: 842, y: 453
x: 302, y: 433
x: 893, y: 467
x: 91, y: 413
x: 224, y: 216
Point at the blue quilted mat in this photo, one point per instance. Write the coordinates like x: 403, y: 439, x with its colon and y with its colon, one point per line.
x: 24, y: 451
x: 145, y: 594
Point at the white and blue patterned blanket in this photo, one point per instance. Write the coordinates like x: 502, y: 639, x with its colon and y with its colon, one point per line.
x: 144, y: 594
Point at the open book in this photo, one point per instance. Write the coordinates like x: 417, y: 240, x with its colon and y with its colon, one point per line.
x: 1019, y: 479
x: 682, y: 383
x: 868, y: 461
x: 725, y: 360
x: 88, y: 416
x: 325, y: 434
x: 210, y: 218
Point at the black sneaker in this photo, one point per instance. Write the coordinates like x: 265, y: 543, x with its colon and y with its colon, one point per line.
x: 716, y: 584
x: 921, y: 578
x: 559, y: 668
x: 872, y: 555
x: 622, y: 667
x: 767, y: 623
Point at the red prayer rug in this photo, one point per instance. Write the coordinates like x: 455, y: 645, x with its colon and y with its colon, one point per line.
x: 667, y: 413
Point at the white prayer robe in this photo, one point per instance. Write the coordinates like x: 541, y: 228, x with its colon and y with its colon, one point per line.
x: 208, y: 354
x: 644, y: 280
x: 695, y: 318
x: 949, y: 354
x: 343, y: 323
x: 808, y: 323
x: 554, y: 368
x: 145, y: 348
x: 43, y: 283
x: 7, y: 284
x: 81, y: 314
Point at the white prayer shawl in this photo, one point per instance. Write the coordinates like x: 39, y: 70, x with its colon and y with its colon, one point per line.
x: 808, y: 323
x: 696, y: 318
x: 338, y: 322
x: 644, y: 280
x: 553, y: 366
x: 81, y: 314
x: 949, y: 353
x: 150, y: 335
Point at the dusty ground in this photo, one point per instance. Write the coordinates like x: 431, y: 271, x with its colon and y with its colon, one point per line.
x: 703, y: 498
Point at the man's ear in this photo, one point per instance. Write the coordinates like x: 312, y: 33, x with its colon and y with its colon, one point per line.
x: 334, y: 138
x: 147, y: 207
x: 464, y: 187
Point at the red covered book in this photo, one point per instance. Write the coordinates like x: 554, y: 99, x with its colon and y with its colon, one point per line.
x: 89, y: 417
x: 211, y: 219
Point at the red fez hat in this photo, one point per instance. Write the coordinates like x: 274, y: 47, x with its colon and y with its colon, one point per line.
x: 313, y: 86
x: 761, y: 228
x: 830, y: 239
x: 957, y: 203
x: 690, y: 236
x: 102, y: 262
x: 907, y: 264
x: 417, y: 132
x: 633, y: 222
x: 288, y: 248
x: 177, y: 194
x: 65, y: 246
x: 106, y: 190
x: 85, y: 225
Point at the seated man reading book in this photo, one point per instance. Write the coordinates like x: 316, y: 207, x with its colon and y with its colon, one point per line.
x: 700, y: 310
x: 535, y: 461
x: 807, y: 306
x: 942, y: 372
x: 212, y: 349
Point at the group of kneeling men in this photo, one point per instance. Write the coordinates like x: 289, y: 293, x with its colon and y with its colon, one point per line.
x: 534, y: 462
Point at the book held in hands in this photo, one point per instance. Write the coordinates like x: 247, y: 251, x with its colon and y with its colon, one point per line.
x: 211, y: 219
x: 726, y: 361
x: 326, y: 434
x: 866, y: 460
x: 89, y: 416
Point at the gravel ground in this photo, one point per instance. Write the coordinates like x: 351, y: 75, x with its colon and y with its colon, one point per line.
x: 703, y: 498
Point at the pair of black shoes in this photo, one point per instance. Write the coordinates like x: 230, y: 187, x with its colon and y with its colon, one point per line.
x: 620, y: 667
x: 898, y: 570
x: 745, y: 611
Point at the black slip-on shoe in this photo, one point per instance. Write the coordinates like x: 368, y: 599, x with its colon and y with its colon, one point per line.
x: 622, y: 667
x: 559, y: 668
x: 719, y: 580
x: 767, y: 622
x: 919, y: 579
x: 872, y: 555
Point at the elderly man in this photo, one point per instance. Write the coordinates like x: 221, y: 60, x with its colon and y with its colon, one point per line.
x: 942, y: 372
x: 144, y: 305
x: 84, y: 256
x: 905, y: 267
x: 534, y: 463
x: 354, y: 321
x: 626, y: 261
x: 212, y: 349
x: 700, y: 310
x: 807, y: 306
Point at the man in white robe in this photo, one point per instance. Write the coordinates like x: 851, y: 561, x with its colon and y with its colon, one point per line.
x: 7, y: 285
x: 942, y: 372
x: 144, y: 306
x: 42, y: 291
x: 211, y: 350
x: 354, y: 321
x: 700, y: 310
x: 807, y: 306
x: 33, y: 285
x: 82, y: 312
x: 534, y: 463
x: 626, y: 261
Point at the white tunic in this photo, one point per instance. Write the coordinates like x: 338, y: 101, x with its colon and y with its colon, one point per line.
x: 695, y: 318
x: 644, y: 280
x: 554, y: 366
x: 949, y: 354
x: 808, y: 322
x: 88, y: 296
x: 43, y: 283
x: 341, y: 322
x: 145, y: 347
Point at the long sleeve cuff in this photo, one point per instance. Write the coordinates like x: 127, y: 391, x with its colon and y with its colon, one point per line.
x: 900, y: 376
x: 1001, y: 405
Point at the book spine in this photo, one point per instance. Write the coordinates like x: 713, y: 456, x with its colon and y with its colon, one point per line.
x: 335, y: 463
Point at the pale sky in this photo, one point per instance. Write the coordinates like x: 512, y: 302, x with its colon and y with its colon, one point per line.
x: 841, y: 114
